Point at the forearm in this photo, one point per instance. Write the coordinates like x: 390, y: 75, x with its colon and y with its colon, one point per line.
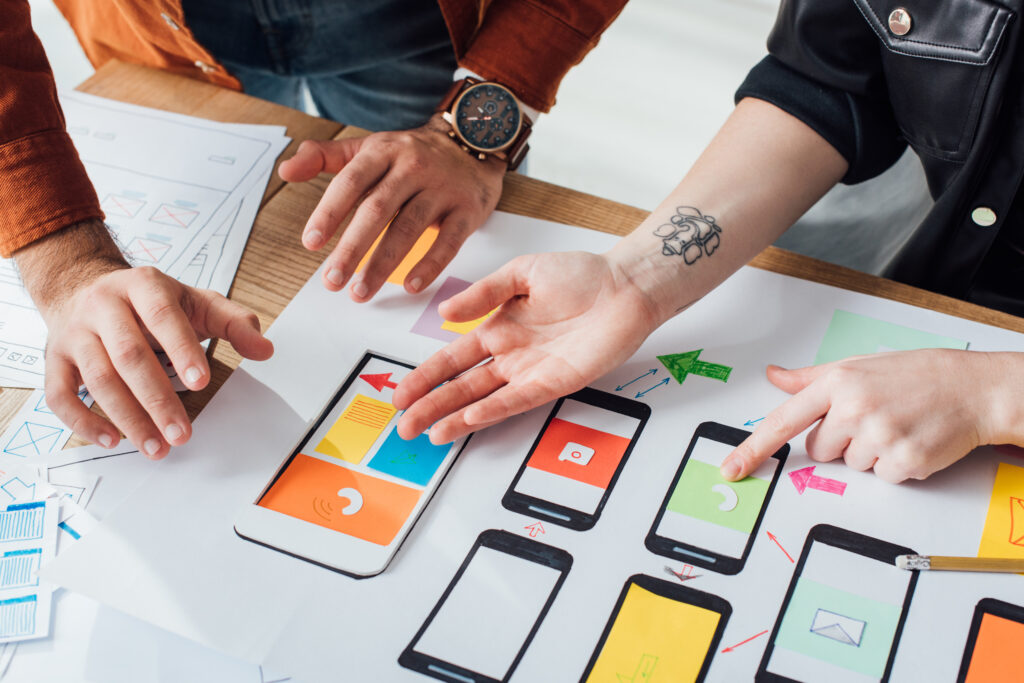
x: 1000, y: 381
x: 760, y: 173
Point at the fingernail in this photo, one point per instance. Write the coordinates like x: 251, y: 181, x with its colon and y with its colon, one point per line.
x: 106, y: 441
x: 151, y: 447
x: 730, y: 470
x: 416, y: 284
x: 173, y: 432
x: 336, y: 277
x: 314, y: 237
x: 192, y: 375
x: 360, y: 289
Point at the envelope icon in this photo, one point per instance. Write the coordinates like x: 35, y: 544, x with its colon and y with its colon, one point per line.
x: 837, y: 627
x: 1017, y: 521
x: 33, y: 439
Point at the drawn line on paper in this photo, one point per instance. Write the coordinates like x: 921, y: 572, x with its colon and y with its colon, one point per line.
x: 643, y: 672
x: 652, y: 371
x: 18, y: 616
x: 18, y: 568
x: 22, y: 522
x: 744, y: 642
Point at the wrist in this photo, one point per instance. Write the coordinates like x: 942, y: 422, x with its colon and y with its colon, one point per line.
x: 54, y: 267
x: 1003, y: 376
x: 437, y: 126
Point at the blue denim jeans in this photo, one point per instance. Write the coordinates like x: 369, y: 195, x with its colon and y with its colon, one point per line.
x: 380, y: 65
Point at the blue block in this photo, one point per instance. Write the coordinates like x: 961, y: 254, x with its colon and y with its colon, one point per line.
x: 414, y: 461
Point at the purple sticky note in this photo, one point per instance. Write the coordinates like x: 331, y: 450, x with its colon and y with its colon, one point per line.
x: 429, y: 323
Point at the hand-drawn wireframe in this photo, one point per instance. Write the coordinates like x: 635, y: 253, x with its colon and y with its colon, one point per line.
x: 572, y: 466
x: 705, y: 520
x: 18, y: 490
x: 31, y: 438
x: 35, y: 430
x: 658, y: 631
x: 986, y: 656
x: 123, y: 206
x: 845, y: 607
x: 147, y: 250
x: 510, y: 580
x: 174, y: 215
x: 18, y: 616
x: 18, y: 568
x: 22, y: 522
x: 690, y: 234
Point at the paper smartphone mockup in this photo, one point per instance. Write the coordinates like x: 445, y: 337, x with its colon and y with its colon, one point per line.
x: 843, y: 613
x: 658, y: 631
x: 576, y: 459
x: 706, y: 520
x: 350, y: 491
x: 489, y: 613
x: 992, y: 654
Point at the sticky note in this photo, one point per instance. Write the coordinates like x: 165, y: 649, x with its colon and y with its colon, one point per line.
x: 466, y: 327
x: 703, y: 493
x: 338, y: 498
x: 418, y: 251
x: 655, y: 638
x: 355, y: 431
x: 850, y: 334
x: 996, y: 650
x: 602, y: 452
x: 1003, y: 535
x: 414, y: 461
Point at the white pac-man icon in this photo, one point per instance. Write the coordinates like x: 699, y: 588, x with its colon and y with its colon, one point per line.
x: 729, y: 497
x: 355, y: 501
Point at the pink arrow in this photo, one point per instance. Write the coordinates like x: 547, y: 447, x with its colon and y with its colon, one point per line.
x: 804, y: 479
x: 535, y: 529
x: 378, y: 382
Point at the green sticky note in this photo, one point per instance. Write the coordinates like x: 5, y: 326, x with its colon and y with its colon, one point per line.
x: 839, y: 627
x: 850, y: 334
x: 695, y: 497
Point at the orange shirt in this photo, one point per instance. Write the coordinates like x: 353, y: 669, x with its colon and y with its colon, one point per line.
x: 528, y: 45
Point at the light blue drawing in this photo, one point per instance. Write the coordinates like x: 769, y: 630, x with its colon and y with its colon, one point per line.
x: 18, y: 616
x: 33, y: 439
x: 67, y: 528
x: 19, y: 491
x: 18, y: 568
x: 22, y: 522
x: 41, y: 406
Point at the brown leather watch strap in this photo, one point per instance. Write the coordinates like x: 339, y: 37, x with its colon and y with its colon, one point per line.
x: 453, y: 92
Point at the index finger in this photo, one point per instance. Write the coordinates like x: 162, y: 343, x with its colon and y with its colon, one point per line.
x: 782, y: 424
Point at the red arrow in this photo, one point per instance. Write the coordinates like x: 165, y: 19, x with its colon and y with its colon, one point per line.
x: 535, y: 529
x: 744, y: 642
x: 805, y: 478
x: 378, y: 382
x: 772, y: 536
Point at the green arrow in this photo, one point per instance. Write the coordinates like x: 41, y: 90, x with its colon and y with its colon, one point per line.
x: 680, y: 365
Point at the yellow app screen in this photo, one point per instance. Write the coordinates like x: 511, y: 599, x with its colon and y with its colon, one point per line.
x: 655, y: 638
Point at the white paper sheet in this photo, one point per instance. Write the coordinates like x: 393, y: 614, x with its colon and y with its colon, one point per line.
x: 35, y: 430
x: 169, y: 554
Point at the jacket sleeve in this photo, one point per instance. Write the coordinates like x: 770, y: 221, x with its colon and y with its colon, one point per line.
x: 43, y: 184
x: 824, y: 67
x: 529, y: 45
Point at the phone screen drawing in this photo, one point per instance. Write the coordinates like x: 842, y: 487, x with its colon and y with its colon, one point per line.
x: 483, y: 623
x: 992, y: 654
x: 706, y: 520
x: 843, y: 613
x: 658, y: 631
x: 577, y: 458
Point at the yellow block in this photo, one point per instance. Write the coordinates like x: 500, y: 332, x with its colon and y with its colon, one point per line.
x: 466, y: 327
x: 1003, y: 535
x: 655, y: 639
x: 353, y: 433
x: 423, y: 244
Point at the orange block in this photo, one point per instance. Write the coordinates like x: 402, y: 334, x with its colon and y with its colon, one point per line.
x: 425, y: 241
x: 996, y: 657
x: 555, y: 453
x: 338, y: 498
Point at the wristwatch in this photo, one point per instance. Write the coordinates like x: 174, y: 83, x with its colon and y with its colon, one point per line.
x: 487, y: 120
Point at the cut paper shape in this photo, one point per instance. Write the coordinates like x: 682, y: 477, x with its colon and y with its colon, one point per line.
x: 729, y: 498
x: 18, y: 616
x: 850, y: 334
x: 600, y: 468
x: 697, y: 495
x: 996, y: 655
x: 1003, y: 534
x: 355, y: 431
x: 173, y: 215
x: 22, y: 522
x: 145, y: 250
x: 430, y: 323
x: 679, y: 365
x: 320, y: 493
x: 576, y: 453
x: 122, y: 206
x: 379, y: 382
x: 18, y: 568
x: 418, y: 251
x: 414, y: 461
x: 33, y: 439
x: 804, y: 478
x: 837, y: 627
x: 466, y: 327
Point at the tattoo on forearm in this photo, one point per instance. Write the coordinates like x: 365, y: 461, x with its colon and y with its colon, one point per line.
x: 689, y: 234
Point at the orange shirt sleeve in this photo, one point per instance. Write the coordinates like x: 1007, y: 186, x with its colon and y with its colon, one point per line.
x: 529, y: 45
x: 43, y: 184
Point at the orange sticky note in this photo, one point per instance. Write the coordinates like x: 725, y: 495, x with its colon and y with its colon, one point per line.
x: 466, y: 327
x: 356, y: 429
x: 1003, y: 535
x: 996, y: 651
x: 397, y: 277
x: 579, y: 452
x: 341, y: 499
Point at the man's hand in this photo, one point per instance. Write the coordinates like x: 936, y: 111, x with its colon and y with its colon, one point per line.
x: 104, y: 319
x: 411, y: 179
x: 565, y: 320
x: 905, y: 414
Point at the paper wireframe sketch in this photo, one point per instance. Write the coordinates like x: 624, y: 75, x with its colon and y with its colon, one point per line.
x: 836, y: 627
x: 35, y: 430
x: 28, y: 540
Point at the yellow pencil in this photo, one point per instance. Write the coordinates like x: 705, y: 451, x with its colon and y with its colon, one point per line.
x: 961, y: 564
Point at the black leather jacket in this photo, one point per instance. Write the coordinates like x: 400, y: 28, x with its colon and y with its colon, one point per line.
x: 951, y: 89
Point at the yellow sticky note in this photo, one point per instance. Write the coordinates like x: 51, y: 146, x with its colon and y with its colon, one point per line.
x: 353, y: 433
x: 1003, y: 535
x: 397, y: 277
x: 466, y: 327
x: 655, y: 638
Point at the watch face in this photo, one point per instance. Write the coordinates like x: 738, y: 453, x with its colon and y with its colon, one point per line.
x: 487, y: 117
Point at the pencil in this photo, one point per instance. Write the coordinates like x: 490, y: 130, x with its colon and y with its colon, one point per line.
x: 961, y: 564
